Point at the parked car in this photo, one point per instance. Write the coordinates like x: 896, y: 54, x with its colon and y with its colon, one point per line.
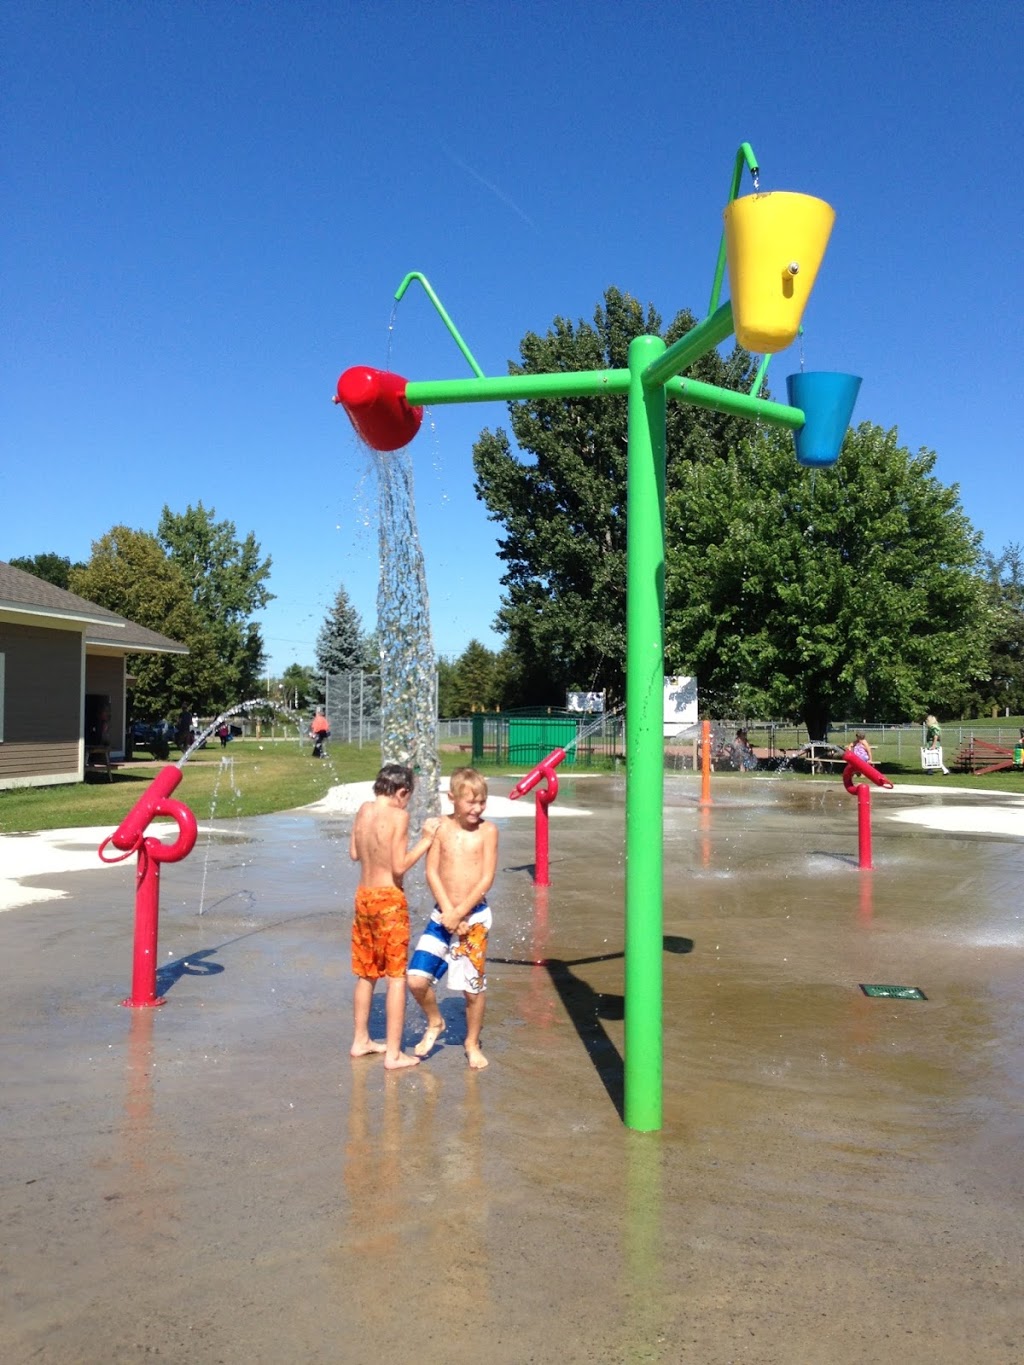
x: 154, y: 735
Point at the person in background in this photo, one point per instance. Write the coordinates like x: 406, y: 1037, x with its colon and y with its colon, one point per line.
x: 861, y: 747
x: 320, y: 731
x: 933, y: 738
x: 743, y: 755
x: 183, y: 735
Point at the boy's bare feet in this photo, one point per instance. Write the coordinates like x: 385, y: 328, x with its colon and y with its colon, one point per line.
x: 367, y: 1049
x: 398, y: 1063
x: 430, y: 1036
x: 475, y: 1058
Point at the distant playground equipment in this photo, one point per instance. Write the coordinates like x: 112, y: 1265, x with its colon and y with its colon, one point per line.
x: 862, y: 791
x: 543, y: 772
x: 773, y: 244
x: 705, y: 763
x: 130, y: 837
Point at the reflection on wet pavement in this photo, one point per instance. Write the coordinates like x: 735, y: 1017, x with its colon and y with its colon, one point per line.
x: 838, y: 1178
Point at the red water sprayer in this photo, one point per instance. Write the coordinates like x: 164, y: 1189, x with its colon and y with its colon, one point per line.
x: 862, y: 791
x: 544, y: 772
x: 130, y: 837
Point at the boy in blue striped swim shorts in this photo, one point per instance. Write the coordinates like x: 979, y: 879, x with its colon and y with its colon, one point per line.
x: 461, y: 864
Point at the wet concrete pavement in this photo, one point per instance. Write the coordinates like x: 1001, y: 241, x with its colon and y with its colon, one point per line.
x: 838, y: 1178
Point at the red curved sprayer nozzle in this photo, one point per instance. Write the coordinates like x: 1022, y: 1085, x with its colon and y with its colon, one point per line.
x: 545, y: 768
x: 377, y: 407
x: 157, y: 800
x: 854, y: 763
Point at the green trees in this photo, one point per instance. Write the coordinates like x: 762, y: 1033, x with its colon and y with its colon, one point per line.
x: 341, y: 646
x: 843, y: 592
x: 1004, y: 687
x: 563, y: 506
x: 478, y: 680
x: 50, y: 567
x: 196, y: 584
x: 130, y: 573
x: 226, y: 578
x: 851, y: 591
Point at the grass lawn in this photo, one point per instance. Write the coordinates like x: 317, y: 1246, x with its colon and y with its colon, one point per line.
x: 258, y: 777
x: 249, y: 777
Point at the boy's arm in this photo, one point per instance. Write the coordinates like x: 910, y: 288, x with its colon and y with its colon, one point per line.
x: 437, y: 887
x: 404, y: 857
x: 353, y: 850
x: 483, y: 883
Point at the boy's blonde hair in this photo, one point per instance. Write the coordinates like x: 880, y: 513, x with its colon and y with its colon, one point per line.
x: 467, y: 778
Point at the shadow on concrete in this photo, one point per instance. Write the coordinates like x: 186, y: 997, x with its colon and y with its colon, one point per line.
x: 195, y: 964
x: 587, y: 1009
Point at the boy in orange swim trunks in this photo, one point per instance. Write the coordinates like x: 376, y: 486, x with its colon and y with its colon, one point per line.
x: 380, y: 930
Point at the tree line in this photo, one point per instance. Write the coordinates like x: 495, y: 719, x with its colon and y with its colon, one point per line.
x: 860, y: 590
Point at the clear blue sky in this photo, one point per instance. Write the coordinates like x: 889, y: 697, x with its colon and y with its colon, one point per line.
x: 208, y: 208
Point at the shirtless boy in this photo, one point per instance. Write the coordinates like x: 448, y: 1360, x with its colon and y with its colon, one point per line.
x: 380, y: 930
x: 461, y: 864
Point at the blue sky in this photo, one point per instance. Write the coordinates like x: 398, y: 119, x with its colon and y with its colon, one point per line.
x: 209, y: 206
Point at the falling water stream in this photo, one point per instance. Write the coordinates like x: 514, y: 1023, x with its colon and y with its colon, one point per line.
x: 407, y: 664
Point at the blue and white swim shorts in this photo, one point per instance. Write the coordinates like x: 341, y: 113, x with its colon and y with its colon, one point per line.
x: 438, y: 949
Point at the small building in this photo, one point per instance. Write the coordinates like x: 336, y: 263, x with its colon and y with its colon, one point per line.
x: 63, y: 680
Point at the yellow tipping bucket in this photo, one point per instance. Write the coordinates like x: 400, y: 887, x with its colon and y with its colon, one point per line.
x: 775, y: 243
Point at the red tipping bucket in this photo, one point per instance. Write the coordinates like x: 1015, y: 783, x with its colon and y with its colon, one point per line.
x: 377, y: 408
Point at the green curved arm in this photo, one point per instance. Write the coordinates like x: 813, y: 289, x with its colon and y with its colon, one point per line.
x: 745, y: 154
x: 418, y: 275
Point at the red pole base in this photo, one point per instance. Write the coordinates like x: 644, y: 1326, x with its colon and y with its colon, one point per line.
x: 144, y: 1004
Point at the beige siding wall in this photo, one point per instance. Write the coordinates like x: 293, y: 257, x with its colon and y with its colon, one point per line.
x: 105, y: 674
x: 42, y: 704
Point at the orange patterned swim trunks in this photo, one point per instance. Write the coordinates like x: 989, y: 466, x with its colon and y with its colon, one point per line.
x: 380, y: 932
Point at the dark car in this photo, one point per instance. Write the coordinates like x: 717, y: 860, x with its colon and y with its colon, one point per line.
x: 154, y: 735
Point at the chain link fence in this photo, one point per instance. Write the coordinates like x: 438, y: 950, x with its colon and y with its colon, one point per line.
x: 352, y: 706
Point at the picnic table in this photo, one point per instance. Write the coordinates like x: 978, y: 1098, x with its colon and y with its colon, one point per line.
x: 980, y: 756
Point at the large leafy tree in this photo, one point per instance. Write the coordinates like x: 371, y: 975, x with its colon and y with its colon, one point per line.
x: 850, y: 591
x: 562, y: 507
x: 51, y: 567
x: 1004, y: 688
x: 130, y: 573
x: 227, y: 580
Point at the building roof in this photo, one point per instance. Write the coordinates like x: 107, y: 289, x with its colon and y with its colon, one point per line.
x: 26, y: 595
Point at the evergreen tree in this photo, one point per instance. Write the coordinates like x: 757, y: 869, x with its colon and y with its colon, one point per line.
x: 341, y: 646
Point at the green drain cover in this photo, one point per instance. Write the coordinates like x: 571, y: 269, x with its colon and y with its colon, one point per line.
x: 895, y: 992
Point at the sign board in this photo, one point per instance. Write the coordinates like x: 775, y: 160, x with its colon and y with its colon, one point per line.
x: 680, y: 711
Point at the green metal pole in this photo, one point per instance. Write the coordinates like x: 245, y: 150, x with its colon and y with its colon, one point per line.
x: 739, y: 404
x: 745, y: 154
x: 507, y: 388
x: 692, y: 346
x: 645, y: 668
x: 442, y: 314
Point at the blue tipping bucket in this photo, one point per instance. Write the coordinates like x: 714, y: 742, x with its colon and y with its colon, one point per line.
x: 827, y: 401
